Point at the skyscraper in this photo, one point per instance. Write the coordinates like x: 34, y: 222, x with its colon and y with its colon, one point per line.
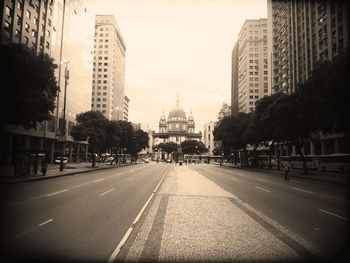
x: 304, y: 33
x: 108, y: 68
x: 250, y: 70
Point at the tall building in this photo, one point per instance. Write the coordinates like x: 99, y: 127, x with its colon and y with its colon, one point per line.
x: 27, y: 22
x: 126, y: 108
x: 252, y: 67
x: 234, y: 81
x: 108, y: 68
x: 52, y: 27
x: 304, y: 33
x: 209, y: 137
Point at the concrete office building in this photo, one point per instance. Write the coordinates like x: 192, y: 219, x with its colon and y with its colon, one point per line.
x: 208, y: 138
x: 108, y: 68
x: 52, y: 27
x: 126, y: 108
x: 304, y: 33
x: 252, y: 67
x: 234, y: 81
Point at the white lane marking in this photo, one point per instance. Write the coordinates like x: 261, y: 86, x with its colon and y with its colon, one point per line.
x: 46, y: 222
x: 131, y: 179
x: 98, y: 180
x: 302, y: 190
x: 262, y: 189
x: 121, y: 243
x: 263, y: 180
x: 58, y: 192
x: 330, y: 213
x: 110, y: 190
x: 127, y: 234
x: 119, y: 174
x: 234, y: 179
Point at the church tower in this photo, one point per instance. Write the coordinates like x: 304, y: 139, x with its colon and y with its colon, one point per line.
x: 191, y: 124
x: 162, y: 123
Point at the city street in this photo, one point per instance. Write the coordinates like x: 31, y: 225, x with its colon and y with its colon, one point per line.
x: 165, y: 212
x: 81, y: 217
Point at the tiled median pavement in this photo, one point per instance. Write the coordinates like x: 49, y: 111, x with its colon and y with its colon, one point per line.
x: 191, y: 219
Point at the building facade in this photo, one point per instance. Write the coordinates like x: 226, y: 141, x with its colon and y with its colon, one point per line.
x: 51, y: 27
x: 303, y: 33
x: 108, y: 68
x: 234, y: 81
x: 126, y: 108
x: 250, y: 74
x: 176, y: 128
x: 208, y: 137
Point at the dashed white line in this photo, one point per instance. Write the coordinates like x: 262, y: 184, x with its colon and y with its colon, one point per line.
x: 330, y: 213
x: 262, y: 189
x: 98, y: 180
x: 58, y: 192
x: 302, y: 190
x: 46, y: 222
x: 110, y: 190
x: 234, y: 179
x: 263, y: 180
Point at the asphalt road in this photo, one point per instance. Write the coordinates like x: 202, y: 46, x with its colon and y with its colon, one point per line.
x: 319, y: 212
x: 74, y: 218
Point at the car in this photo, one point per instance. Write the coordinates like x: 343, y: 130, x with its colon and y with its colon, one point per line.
x: 168, y: 161
x: 146, y: 160
x: 58, y: 160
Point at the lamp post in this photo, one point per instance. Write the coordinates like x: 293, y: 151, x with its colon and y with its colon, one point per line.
x: 64, y: 126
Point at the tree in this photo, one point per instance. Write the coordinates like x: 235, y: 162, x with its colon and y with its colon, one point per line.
x: 91, y: 126
x: 224, y: 111
x: 29, y: 86
x: 193, y: 147
x: 138, y: 142
x: 168, y: 147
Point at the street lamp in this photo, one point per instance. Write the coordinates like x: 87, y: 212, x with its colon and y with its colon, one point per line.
x: 64, y: 126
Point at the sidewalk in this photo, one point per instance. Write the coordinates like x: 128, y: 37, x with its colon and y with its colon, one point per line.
x: 53, y: 172
x: 191, y: 219
x: 329, y: 177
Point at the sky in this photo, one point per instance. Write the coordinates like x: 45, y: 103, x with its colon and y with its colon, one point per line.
x: 179, y: 47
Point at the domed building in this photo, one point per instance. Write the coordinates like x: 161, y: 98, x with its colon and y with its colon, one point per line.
x: 177, y: 127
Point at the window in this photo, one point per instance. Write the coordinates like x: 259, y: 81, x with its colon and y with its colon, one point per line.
x: 28, y: 14
x: 7, y: 26
x: 7, y: 11
x: 35, y: 21
x: 27, y: 27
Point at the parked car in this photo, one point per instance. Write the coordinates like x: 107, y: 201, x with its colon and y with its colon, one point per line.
x: 146, y: 160
x: 58, y: 160
x: 168, y: 161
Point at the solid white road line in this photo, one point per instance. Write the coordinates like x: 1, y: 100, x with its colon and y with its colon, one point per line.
x: 127, y: 234
x: 58, y: 192
x: 263, y: 180
x: 262, y: 189
x: 46, y: 222
x: 330, y: 213
x: 302, y: 190
x: 110, y: 190
x: 234, y: 179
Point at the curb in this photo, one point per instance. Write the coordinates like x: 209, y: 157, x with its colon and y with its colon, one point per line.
x: 61, y: 175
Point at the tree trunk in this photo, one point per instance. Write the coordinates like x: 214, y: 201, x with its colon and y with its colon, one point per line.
x: 278, y: 157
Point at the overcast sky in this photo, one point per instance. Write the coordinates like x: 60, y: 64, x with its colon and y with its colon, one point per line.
x: 178, y: 46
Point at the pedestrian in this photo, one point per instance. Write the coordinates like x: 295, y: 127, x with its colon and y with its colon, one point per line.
x: 286, y: 173
x: 35, y: 164
x: 44, y: 166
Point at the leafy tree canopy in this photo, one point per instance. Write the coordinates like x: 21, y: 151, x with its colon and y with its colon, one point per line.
x: 29, y: 86
x: 193, y: 147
